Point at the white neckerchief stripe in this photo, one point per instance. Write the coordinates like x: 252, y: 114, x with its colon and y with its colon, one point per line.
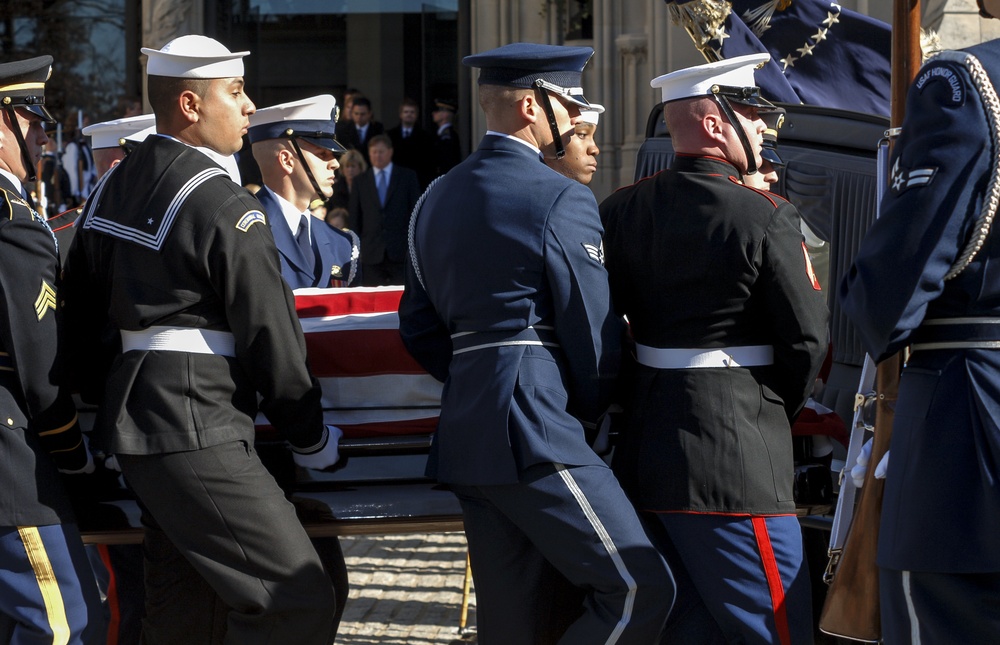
x: 151, y: 240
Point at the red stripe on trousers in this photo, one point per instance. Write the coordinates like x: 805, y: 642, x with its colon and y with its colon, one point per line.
x: 114, y: 620
x: 774, y: 584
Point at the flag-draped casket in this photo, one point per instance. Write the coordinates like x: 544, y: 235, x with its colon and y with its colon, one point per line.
x: 371, y: 385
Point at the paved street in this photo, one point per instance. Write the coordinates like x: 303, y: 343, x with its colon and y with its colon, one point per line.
x: 405, y: 590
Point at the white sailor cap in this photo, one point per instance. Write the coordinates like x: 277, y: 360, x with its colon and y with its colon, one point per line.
x: 313, y: 119
x: 109, y: 134
x: 593, y: 114
x: 194, y: 57
x: 731, y: 77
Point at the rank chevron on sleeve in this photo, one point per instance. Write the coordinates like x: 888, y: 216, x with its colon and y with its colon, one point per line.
x: 46, y: 300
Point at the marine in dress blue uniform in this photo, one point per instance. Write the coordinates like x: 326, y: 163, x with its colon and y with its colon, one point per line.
x: 926, y: 275
x: 184, y: 329
x: 296, y: 148
x: 47, y: 588
x: 506, y: 301
x: 730, y: 331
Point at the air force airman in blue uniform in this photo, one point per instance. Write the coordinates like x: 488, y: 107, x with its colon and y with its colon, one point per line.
x: 296, y: 150
x: 47, y: 589
x: 507, y: 302
x: 927, y: 275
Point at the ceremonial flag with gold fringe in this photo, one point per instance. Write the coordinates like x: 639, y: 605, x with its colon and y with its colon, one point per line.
x: 821, y: 53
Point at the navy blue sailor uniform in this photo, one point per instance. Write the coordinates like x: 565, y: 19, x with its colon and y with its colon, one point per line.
x: 926, y: 275
x: 506, y: 302
x: 180, y: 321
x: 47, y: 588
x: 730, y: 331
x: 336, y: 253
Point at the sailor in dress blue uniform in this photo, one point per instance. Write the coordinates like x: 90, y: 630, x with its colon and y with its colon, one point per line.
x: 506, y: 301
x: 296, y: 150
x: 927, y: 275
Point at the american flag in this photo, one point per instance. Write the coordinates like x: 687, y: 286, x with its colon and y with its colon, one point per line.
x: 372, y: 387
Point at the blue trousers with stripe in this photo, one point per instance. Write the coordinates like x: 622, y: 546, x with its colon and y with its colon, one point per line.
x: 563, y: 535
x: 922, y: 608
x: 749, y: 572
x: 48, y: 594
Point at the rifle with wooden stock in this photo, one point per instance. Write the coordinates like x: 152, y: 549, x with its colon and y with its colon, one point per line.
x: 851, y: 609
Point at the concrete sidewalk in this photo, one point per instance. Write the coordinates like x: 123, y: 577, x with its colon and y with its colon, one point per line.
x: 406, y: 590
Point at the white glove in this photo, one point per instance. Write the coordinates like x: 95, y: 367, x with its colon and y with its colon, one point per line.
x: 111, y: 463
x: 87, y: 468
x: 324, y: 456
x: 859, y: 471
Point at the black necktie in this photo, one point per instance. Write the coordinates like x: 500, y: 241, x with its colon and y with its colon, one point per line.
x: 302, y: 238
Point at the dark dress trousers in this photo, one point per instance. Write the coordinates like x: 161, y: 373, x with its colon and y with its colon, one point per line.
x: 193, y: 252
x: 506, y: 301
x: 383, y: 229
x: 928, y: 274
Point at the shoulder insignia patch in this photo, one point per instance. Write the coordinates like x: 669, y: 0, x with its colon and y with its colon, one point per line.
x: 46, y: 300
x: 943, y: 73
x: 902, y: 180
x: 249, y: 219
x: 596, y: 253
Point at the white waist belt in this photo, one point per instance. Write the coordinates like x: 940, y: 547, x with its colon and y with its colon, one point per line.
x: 180, y: 339
x: 681, y: 359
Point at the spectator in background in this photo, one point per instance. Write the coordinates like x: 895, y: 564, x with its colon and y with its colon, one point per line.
x: 78, y: 160
x: 447, y: 149
x: 337, y: 218
x: 352, y: 164
x: 356, y: 135
x: 410, y: 143
x: 347, y: 104
x: 381, y: 204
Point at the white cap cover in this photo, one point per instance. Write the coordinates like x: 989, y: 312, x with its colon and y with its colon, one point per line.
x: 592, y: 115
x: 698, y: 80
x: 194, y: 57
x: 108, y: 133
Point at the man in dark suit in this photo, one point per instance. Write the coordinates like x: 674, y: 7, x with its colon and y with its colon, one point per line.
x: 179, y: 317
x: 507, y: 302
x: 296, y: 150
x: 730, y: 331
x: 410, y: 143
x: 47, y: 589
x: 381, y: 202
x: 926, y: 275
x: 357, y: 133
x: 447, y: 149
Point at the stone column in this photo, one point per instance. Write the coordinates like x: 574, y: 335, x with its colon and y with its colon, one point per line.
x: 632, y: 50
x: 164, y: 20
x: 961, y: 25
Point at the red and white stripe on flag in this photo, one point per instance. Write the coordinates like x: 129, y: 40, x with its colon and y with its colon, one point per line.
x: 372, y: 387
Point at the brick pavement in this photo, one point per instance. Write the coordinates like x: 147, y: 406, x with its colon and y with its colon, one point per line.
x: 405, y: 590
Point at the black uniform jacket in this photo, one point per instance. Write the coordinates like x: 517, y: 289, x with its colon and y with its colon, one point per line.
x: 168, y: 239
x: 698, y: 260
x: 38, y: 418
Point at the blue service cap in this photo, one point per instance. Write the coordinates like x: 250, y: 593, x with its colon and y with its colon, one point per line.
x: 22, y: 84
x: 313, y: 119
x: 523, y: 65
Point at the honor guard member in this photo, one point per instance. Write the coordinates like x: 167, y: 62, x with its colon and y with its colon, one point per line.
x: 110, y: 141
x: 580, y: 161
x: 297, y: 152
x: 47, y: 588
x: 447, y: 149
x: 927, y: 275
x: 506, y: 301
x: 174, y: 275
x: 730, y: 332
